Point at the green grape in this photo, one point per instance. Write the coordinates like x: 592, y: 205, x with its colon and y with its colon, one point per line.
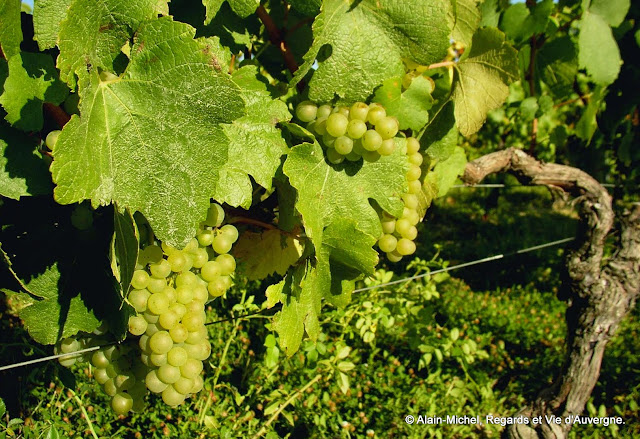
x: 191, y: 369
x: 215, y: 215
x: 387, y: 147
x: 52, y: 139
x: 376, y: 112
x: 402, y: 226
x: 192, y: 321
x: 195, y: 305
x: 124, y: 381
x: 143, y: 343
x: 413, y: 145
x: 82, y: 217
x: 414, y: 173
x: 160, y: 269
x: 156, y: 285
x: 387, y: 243
x: 67, y: 361
x: 321, y: 125
x: 211, y: 270
x: 353, y: 156
x: 160, y: 342
x: 152, y: 328
x: 153, y: 383
x: 110, y: 388
x: 178, y: 308
x: 158, y: 303
x: 172, y: 397
x: 328, y: 140
x: 343, y: 145
x: 152, y: 254
x: 342, y: 110
x: 158, y: 359
x: 101, y: 376
x: 415, y: 187
x: 394, y: 256
x: 200, y: 257
x: 112, y: 353
x: 371, y: 140
x: 358, y: 148
x: 334, y: 157
x: 140, y: 279
x: 356, y: 128
x: 178, y: 261
x: 388, y: 226
x: 178, y: 333
x: 197, y: 336
x: 168, y: 320
x: 227, y: 264
x: 99, y: 360
x: 168, y: 250
x: 406, y: 247
x: 191, y: 246
x: 359, y: 111
x: 69, y: 345
x: 177, y: 356
x: 184, y: 385
x: 71, y: 104
x: 198, y: 384
x: 306, y: 111
x: 205, y: 237
x: 387, y: 127
x: 412, y: 216
x: 137, y: 325
x: 324, y: 111
x: 337, y: 124
x: 410, y: 201
x: 230, y: 231
x: 411, y: 234
x: 168, y: 374
x: 416, y: 159
x: 200, y: 294
x: 216, y: 287
x: 222, y: 244
x: 371, y: 156
x: 170, y: 293
x: 185, y: 294
x: 226, y: 281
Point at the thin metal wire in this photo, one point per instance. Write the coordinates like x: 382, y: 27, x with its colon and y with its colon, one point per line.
x: 407, y: 279
x: 500, y: 185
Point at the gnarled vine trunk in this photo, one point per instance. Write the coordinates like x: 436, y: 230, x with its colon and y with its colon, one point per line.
x: 601, y: 292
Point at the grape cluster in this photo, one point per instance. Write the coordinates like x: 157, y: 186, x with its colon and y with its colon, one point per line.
x: 398, y: 234
x: 169, y: 290
x: 351, y: 133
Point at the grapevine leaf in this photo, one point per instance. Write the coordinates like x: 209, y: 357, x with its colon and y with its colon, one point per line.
x: 243, y: 8
x: 306, y: 7
x: 441, y: 136
x: 3, y: 408
x: 47, y: 15
x: 587, y: 125
x: 262, y: 254
x: 611, y: 11
x: 32, y: 81
x: 411, y: 108
x: 124, y: 249
x: 466, y: 18
x: 64, y: 272
x: 482, y: 79
x: 22, y: 171
x: 93, y: 33
x: 151, y: 139
x: 360, y: 44
x: 557, y: 64
x: 445, y: 173
x: 598, y: 50
x: 255, y: 131
x: 490, y: 13
x: 10, y: 27
x: 520, y: 23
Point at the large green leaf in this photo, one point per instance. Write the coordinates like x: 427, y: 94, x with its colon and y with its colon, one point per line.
x: 32, y: 81
x: 611, y: 11
x: 520, y: 23
x: 10, y: 27
x: 255, y: 144
x: 441, y: 136
x: 47, y: 15
x: 410, y: 107
x: 360, y: 44
x: 557, y: 64
x: 23, y: 172
x: 482, y: 79
x: 598, y: 50
x: 151, y: 140
x: 93, y: 33
x: 243, y: 8
x: 445, y: 173
x: 466, y: 18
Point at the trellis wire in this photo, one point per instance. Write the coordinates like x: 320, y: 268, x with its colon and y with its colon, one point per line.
x: 407, y: 279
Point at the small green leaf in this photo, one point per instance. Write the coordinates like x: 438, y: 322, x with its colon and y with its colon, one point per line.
x: 10, y: 27
x: 520, y: 23
x: 346, y: 366
x: 529, y: 108
x: 124, y: 249
x: 360, y: 44
x: 466, y: 18
x: 598, y: 50
x: 482, y: 79
x: 262, y: 254
x: 343, y: 382
x: 445, y: 173
x: 557, y: 64
x: 306, y: 7
x: 410, y: 107
x: 343, y: 352
x: 32, y: 81
x: 587, y: 125
x: 47, y: 15
x: 441, y: 136
x: 3, y: 408
x: 243, y: 8
x: 52, y: 433
x: 454, y: 334
x: 23, y: 172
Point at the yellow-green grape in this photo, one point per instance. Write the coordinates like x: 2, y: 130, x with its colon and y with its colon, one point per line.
x: 210, y: 270
x: 197, y: 336
x: 152, y: 328
x: 156, y: 285
x: 343, y: 145
x: 416, y: 159
x: 337, y: 124
x: 324, y: 111
x: 178, y: 333
x: 185, y: 294
x: 172, y: 397
x: 154, y: 383
x: 168, y: 374
x: 158, y: 359
x: 410, y: 201
x: 412, y: 216
x: 158, y: 303
x: 306, y: 111
x: 388, y: 225
x: 356, y: 128
x: 178, y: 261
x: 52, y: 139
x: 371, y: 141
x: 151, y: 254
x: 394, y: 256
x: 411, y: 233
x: 101, y: 376
x: 110, y: 388
x: 160, y: 269
x: 387, y: 127
x: 359, y: 111
x: 138, y: 299
x: 353, y: 156
x: 406, y: 247
x: 200, y: 257
x: 186, y: 279
x: 227, y: 264
x: 184, y: 385
x: 415, y: 187
x: 230, y: 231
x: 371, y: 156
x: 168, y: 320
x: 198, y: 384
x: 215, y: 215
x: 387, y: 243
x: 160, y: 342
x: 177, y: 356
x: 413, y: 145
x: 376, y: 112
x: 216, y: 287
x: 167, y: 249
x: 170, y: 293
x: 328, y: 140
x: 193, y: 321
x: 342, y: 110
x: 140, y: 279
x: 178, y: 308
x: 137, y: 325
x: 191, y: 369
x: 387, y: 147
x: 99, y: 360
x: 414, y: 173
x: 320, y: 126
x: 200, y: 294
x: 205, y: 237
x: 402, y: 226
x: 222, y: 243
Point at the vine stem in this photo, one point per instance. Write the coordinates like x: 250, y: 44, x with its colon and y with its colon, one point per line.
x: 84, y: 412
x: 285, y: 404
x: 245, y: 220
x: 442, y: 64
x: 275, y: 36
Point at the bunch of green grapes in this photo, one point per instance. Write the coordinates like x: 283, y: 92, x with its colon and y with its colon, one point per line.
x: 170, y: 288
x: 398, y: 234
x: 351, y: 133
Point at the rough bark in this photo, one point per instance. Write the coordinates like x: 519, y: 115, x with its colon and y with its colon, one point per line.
x: 602, y: 292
